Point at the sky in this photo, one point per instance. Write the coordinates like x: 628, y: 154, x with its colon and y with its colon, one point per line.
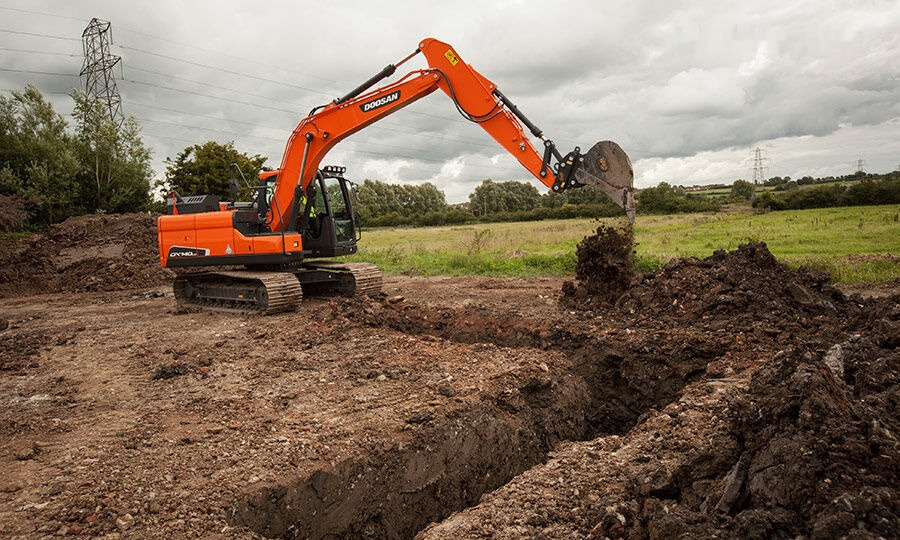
x: 688, y: 89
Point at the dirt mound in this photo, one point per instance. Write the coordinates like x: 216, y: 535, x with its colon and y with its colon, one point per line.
x: 746, y: 286
x: 87, y: 253
x: 815, y: 456
x: 604, y: 268
x: 746, y: 281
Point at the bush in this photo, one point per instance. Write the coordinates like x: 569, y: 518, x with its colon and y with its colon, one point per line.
x: 742, y: 189
x: 664, y: 199
x: 865, y: 192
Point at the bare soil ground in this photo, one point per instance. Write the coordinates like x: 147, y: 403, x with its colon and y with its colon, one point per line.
x: 724, y: 397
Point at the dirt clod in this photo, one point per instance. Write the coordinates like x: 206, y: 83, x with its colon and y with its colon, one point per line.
x: 604, y: 268
x: 171, y: 370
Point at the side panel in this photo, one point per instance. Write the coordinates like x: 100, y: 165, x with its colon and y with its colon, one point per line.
x: 193, y: 237
x: 215, y: 233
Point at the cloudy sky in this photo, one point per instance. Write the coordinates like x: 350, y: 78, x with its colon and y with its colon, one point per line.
x: 688, y: 89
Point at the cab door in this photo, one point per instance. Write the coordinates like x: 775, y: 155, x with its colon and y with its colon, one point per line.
x: 331, y: 228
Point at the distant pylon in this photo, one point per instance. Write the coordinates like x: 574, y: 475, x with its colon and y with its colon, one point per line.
x: 759, y: 166
x: 860, y: 165
x: 97, y: 70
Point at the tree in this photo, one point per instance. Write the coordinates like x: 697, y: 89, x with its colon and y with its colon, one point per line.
x: 742, y: 189
x: 664, y: 199
x: 492, y: 197
x: 37, y: 161
x: 115, y: 168
x: 378, y: 199
x: 101, y: 167
x: 205, y: 169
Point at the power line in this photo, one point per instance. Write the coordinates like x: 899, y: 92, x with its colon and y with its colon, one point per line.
x: 145, y: 83
x: 10, y: 90
x: 411, y: 168
x: 211, y: 117
x: 182, y: 44
x: 79, y: 19
x: 38, y: 35
x: 294, y: 112
x: 130, y: 67
x: 267, y: 80
x: 179, y: 43
x: 419, y: 157
x: 188, y: 141
x: 198, y: 64
x: 10, y: 49
x: 34, y: 72
x: 253, y: 61
x: 199, y: 128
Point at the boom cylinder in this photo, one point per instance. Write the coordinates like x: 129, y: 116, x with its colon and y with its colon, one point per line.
x: 536, y: 131
x: 384, y: 73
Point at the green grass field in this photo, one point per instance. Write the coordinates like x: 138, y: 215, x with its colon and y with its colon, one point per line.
x: 855, y: 244
x: 726, y: 191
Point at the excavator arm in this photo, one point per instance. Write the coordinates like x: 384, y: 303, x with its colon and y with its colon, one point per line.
x: 476, y: 98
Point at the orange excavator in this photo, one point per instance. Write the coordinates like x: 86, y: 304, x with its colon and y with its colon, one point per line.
x: 304, y: 211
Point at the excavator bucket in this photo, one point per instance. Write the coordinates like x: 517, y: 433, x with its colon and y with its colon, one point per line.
x: 607, y: 167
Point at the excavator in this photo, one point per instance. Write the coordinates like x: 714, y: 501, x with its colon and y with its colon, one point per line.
x: 304, y: 211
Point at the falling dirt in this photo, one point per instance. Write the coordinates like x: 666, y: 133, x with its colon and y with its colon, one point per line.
x: 604, y: 267
x: 729, y: 396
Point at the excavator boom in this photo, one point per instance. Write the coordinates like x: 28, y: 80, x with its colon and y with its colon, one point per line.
x: 477, y: 99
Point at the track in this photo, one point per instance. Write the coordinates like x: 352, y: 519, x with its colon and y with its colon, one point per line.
x: 274, y: 292
x: 239, y: 291
x: 366, y: 277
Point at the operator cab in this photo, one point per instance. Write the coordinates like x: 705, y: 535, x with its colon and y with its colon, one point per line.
x: 325, y: 215
x: 328, y: 222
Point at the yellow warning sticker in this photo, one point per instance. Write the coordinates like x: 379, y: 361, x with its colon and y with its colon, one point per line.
x: 451, y: 57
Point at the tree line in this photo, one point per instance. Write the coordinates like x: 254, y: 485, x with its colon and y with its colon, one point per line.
x: 868, y: 189
x: 50, y: 171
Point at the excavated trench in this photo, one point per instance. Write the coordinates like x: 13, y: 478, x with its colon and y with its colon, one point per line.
x: 455, y: 460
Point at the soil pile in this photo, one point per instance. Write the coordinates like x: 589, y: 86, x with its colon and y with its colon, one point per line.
x: 747, y: 283
x: 87, y: 253
x: 809, y: 448
x: 604, y: 268
x: 786, y: 427
x: 811, y: 452
x: 747, y: 286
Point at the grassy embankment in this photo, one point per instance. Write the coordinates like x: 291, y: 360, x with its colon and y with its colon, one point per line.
x: 855, y: 244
